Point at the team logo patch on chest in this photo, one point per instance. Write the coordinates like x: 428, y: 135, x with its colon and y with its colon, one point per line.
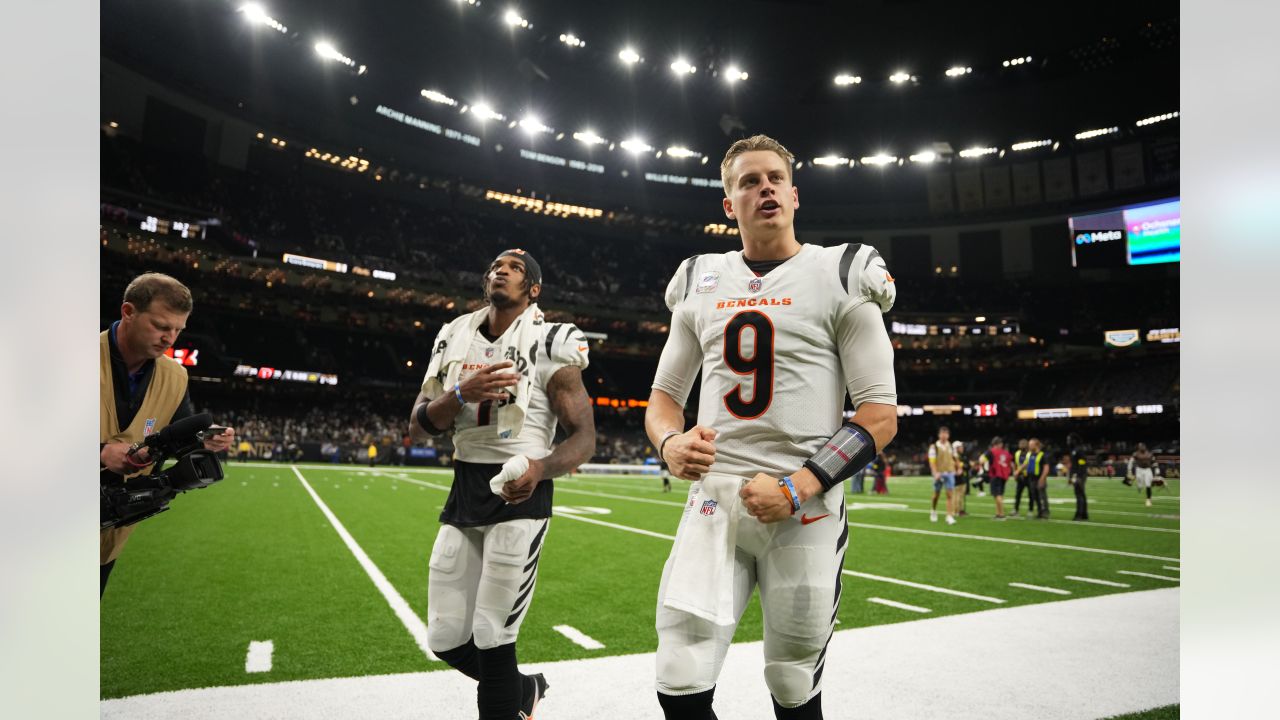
x: 709, y: 507
x: 755, y: 285
x: 707, y: 282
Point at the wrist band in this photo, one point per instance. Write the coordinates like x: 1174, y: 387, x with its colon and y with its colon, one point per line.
x: 663, y: 442
x: 457, y: 392
x: 789, y: 489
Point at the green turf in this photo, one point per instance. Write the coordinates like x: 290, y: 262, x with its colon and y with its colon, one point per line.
x: 1168, y: 712
x: 253, y: 558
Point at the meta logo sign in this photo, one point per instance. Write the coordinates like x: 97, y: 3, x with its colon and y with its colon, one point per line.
x: 1097, y: 236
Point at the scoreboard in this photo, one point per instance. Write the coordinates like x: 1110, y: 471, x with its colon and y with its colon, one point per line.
x: 1144, y: 234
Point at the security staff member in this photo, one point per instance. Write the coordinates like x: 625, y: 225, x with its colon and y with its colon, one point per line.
x: 1020, y: 476
x: 1077, y: 473
x: 1037, y: 464
x: 141, y: 390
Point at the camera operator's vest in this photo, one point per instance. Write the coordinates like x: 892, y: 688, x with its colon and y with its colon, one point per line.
x: 164, y: 393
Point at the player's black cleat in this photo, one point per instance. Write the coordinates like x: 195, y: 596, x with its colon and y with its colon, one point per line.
x: 537, y: 689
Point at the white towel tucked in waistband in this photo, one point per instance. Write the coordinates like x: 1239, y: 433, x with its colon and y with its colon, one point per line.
x: 701, y: 578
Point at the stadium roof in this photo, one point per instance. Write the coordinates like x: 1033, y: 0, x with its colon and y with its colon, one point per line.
x: 1092, y: 65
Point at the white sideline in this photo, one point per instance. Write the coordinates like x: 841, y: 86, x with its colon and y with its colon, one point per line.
x: 922, y: 586
x: 407, y: 616
x: 1040, y: 588
x: 1149, y: 575
x: 1012, y: 541
x: 1096, y: 581
x: 578, y: 637
x: 872, y: 672
x: 258, y: 659
x: 899, y: 605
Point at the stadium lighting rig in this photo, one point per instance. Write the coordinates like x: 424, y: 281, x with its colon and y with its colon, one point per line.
x: 483, y: 111
x: 1029, y: 145
x: 831, y: 161
x: 255, y: 13
x: 326, y: 50
x: 880, y: 159
x: 734, y: 74
x: 679, y: 151
x: 844, y: 79
x: 680, y: 67
x: 959, y: 71
x: 1089, y: 134
x: 635, y: 146
x: 513, y: 20
x: 587, y: 137
x: 974, y: 152
x: 901, y: 77
x: 1156, y: 119
x: 532, y: 125
x: 1014, y: 62
x: 629, y: 56
x: 439, y: 97
x: 572, y: 40
x: 927, y: 156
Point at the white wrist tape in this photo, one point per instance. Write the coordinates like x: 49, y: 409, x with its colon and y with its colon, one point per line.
x: 511, y: 469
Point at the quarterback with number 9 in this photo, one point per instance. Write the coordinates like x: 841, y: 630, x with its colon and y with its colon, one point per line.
x: 779, y: 333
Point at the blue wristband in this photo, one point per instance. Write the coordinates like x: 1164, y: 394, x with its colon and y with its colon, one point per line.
x: 791, y: 493
x: 457, y: 392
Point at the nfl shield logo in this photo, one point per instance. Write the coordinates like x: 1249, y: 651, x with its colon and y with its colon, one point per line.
x: 488, y: 353
x: 149, y: 427
x: 709, y: 507
x: 755, y: 285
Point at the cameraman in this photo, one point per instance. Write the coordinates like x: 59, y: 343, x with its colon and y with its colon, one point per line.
x: 141, y: 390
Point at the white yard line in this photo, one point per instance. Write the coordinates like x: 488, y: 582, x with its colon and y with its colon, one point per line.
x: 1149, y: 575
x: 258, y: 659
x: 408, y: 618
x: 1040, y: 588
x: 922, y: 586
x: 578, y: 637
x: 1173, y: 568
x: 1096, y: 581
x: 1012, y: 541
x: 899, y: 605
x: 616, y: 526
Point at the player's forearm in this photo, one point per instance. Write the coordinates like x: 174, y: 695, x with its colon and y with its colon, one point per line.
x: 444, y: 410
x: 576, y: 449
x: 662, y: 415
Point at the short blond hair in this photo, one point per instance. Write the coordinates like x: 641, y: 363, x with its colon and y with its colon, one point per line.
x: 158, y: 287
x: 745, y: 145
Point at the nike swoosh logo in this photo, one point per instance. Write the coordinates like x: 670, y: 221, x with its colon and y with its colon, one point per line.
x: 805, y: 519
x: 582, y: 348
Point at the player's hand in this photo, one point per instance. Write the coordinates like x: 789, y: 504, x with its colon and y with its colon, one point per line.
x: 690, y: 454
x: 764, y: 500
x: 115, y: 457
x: 220, y: 442
x: 521, y: 489
x: 487, y: 383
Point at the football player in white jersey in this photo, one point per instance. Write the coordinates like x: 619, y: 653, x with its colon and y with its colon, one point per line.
x: 779, y: 333
x: 484, y: 564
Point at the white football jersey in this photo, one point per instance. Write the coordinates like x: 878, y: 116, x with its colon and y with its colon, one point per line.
x: 777, y: 353
x: 475, y: 430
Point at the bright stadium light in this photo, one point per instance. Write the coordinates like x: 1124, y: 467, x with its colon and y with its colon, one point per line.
x: 1030, y: 144
x: 900, y: 77
x: 1013, y: 62
x: 532, y: 125
x: 678, y: 151
x: 879, y: 159
x: 1087, y: 134
x: 513, y: 19
x: 436, y: 96
x: 927, y: 156
x: 587, y: 137
x: 326, y: 50
x: 255, y: 13
x: 974, y: 152
x: 682, y: 67
x: 635, y: 146
x: 958, y: 70
x: 846, y: 79
x: 629, y: 56
x: 733, y: 74
x: 484, y: 112
x: 831, y: 161
x: 572, y: 40
x: 1157, y: 118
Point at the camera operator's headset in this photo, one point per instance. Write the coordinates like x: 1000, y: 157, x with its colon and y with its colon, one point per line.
x: 125, y: 502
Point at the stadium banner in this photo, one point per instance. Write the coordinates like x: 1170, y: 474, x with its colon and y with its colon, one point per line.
x: 619, y: 469
x: 1126, y: 166
x: 1026, y: 183
x: 1057, y: 180
x: 995, y: 186
x: 939, y: 188
x: 969, y: 189
x: 1091, y: 169
x: 1059, y: 413
x: 1121, y: 338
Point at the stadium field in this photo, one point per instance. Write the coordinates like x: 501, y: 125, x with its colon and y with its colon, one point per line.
x: 286, y: 572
